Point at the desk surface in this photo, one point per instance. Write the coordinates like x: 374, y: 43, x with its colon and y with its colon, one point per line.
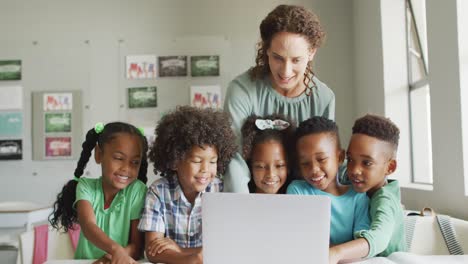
x: 398, y: 257
x: 22, y: 214
x: 409, y: 258
x: 80, y: 261
x: 20, y: 207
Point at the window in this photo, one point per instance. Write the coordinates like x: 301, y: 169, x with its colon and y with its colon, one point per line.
x: 419, y: 89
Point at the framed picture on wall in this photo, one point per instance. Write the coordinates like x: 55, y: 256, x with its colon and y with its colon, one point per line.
x: 11, y: 124
x: 172, y: 66
x: 58, y: 101
x: 204, y: 65
x: 58, y: 147
x: 205, y: 96
x: 11, y: 149
x: 10, y: 70
x: 142, y: 97
x: 57, y: 128
x: 141, y: 67
x: 57, y: 122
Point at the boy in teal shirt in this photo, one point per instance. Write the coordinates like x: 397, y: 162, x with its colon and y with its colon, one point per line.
x: 371, y: 158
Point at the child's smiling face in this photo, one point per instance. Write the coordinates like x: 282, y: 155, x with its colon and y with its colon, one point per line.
x: 319, y: 158
x: 197, y: 169
x: 120, y: 160
x: 269, y: 166
x: 370, y: 160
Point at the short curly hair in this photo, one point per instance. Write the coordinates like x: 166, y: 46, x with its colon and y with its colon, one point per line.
x: 185, y: 127
x: 316, y: 125
x: 378, y: 127
x: 286, y: 18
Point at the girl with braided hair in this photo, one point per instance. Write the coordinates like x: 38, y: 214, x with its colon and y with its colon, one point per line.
x: 108, y: 208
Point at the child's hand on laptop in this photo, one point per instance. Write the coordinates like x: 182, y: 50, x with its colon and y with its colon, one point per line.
x: 158, y: 245
x: 333, y: 256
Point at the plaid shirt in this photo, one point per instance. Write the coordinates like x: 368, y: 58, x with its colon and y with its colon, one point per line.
x: 168, y: 211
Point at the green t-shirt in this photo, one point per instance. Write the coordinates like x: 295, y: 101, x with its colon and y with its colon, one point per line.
x: 245, y: 97
x: 115, y: 220
x: 386, y: 234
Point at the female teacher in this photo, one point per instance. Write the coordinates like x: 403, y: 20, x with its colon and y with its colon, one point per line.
x: 282, y: 81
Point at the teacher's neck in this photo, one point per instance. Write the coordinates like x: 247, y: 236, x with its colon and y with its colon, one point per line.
x: 291, y: 93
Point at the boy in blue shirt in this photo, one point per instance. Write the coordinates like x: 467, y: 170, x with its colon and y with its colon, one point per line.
x: 319, y: 155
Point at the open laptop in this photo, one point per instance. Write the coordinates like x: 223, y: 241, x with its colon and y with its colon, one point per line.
x: 265, y: 228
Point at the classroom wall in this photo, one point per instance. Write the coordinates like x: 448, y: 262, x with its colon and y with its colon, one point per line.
x: 69, y: 45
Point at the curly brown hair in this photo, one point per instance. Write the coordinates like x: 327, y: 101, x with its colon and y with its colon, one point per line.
x: 185, y: 127
x: 287, y: 18
x: 378, y: 127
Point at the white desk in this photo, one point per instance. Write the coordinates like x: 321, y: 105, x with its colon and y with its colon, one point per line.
x: 80, y: 261
x: 409, y: 258
x: 22, y: 214
x: 398, y: 257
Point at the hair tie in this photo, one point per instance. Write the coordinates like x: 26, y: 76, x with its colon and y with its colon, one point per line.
x: 99, y: 127
x: 141, y: 130
x: 277, y: 124
x: 76, y: 179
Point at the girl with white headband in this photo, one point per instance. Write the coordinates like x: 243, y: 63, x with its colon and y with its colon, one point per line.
x: 265, y: 148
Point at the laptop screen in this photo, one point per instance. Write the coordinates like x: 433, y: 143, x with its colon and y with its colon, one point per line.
x: 265, y: 228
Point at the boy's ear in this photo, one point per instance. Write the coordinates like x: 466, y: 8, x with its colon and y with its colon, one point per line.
x: 391, y: 167
x: 342, y: 156
x: 97, y: 154
x: 175, y: 165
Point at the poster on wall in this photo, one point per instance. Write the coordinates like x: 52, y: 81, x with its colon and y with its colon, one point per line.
x: 141, y: 67
x: 172, y: 66
x: 11, y: 97
x: 11, y: 149
x: 205, y: 96
x: 204, y: 66
x: 10, y: 70
x: 57, y: 122
x: 11, y: 124
x: 58, y: 147
x: 142, y: 97
x: 58, y: 101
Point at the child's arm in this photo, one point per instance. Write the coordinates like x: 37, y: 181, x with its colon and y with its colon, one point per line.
x: 358, y: 248
x: 95, y: 235
x: 136, y: 238
x: 135, y: 243
x: 361, y: 214
x: 382, y: 226
x: 354, y: 249
x: 160, y: 249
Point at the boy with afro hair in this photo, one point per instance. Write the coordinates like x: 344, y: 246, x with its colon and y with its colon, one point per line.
x: 192, y: 147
